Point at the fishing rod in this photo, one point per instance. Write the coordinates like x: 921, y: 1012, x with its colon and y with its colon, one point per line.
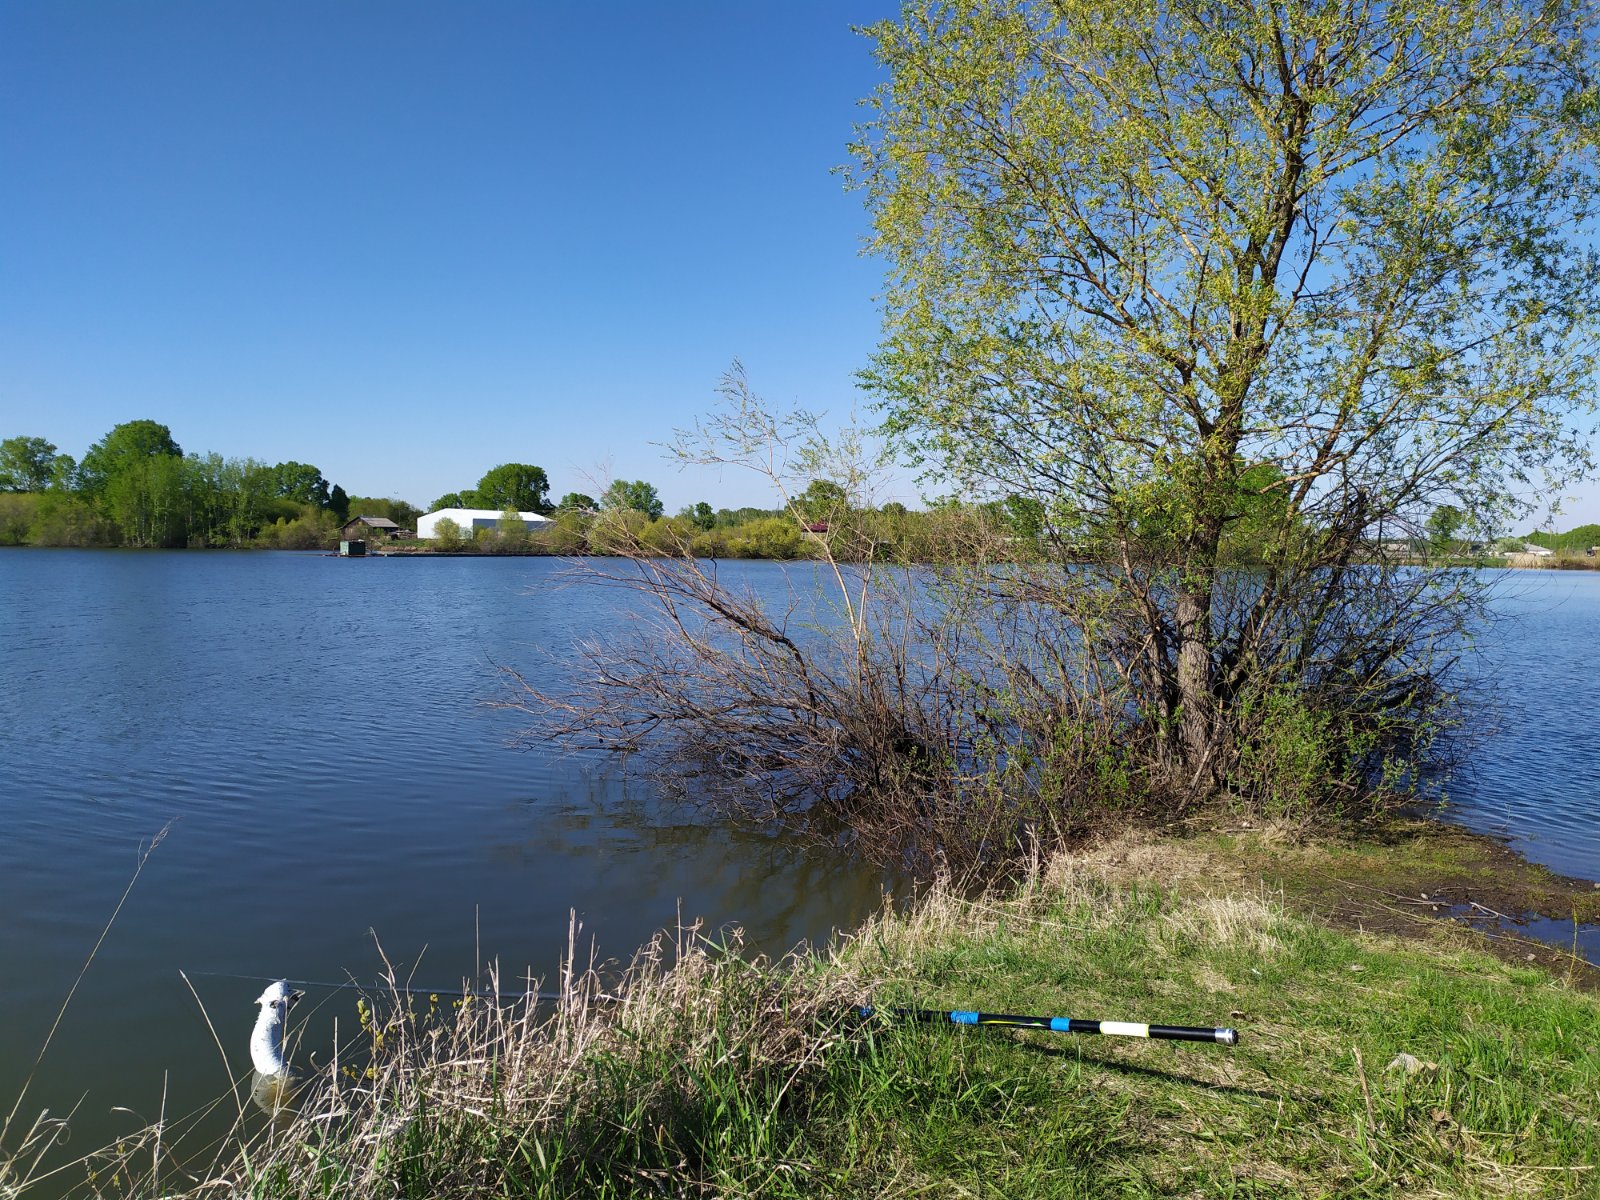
x: 1169, y: 1033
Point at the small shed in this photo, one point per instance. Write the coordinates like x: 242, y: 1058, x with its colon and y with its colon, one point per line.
x: 357, y: 527
x: 349, y: 548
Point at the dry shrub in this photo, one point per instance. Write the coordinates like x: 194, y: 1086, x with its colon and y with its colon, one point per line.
x: 604, y: 1086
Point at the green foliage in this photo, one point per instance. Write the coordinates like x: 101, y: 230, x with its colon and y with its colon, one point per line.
x: 577, y: 501
x: 145, y: 499
x: 822, y: 501
x: 1444, y: 525
x: 1577, y: 539
x: 770, y: 537
x: 339, y: 503
x: 637, y: 496
x: 64, y: 518
x: 27, y: 464
x: 732, y: 518
x: 517, y: 486
x: 700, y: 515
x: 447, y: 532
x: 569, y: 532
x: 1025, y: 517
x: 1256, y: 300
x: 63, y: 473
x: 231, y: 500
x: 126, y: 447
x: 617, y: 531
x: 300, y: 482
x: 310, y: 528
x: 1289, y: 753
x: 17, y: 515
x: 449, y: 500
x: 667, y: 535
x: 510, y: 531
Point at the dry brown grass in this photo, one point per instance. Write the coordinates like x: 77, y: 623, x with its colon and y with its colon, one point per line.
x: 500, y: 1084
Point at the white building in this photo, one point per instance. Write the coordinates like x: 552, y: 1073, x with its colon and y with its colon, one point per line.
x: 470, y: 520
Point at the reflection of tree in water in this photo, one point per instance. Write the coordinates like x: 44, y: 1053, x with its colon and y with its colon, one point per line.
x: 777, y: 892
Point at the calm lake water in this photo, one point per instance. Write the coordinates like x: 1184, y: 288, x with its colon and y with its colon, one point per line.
x: 1535, y: 779
x: 313, y: 731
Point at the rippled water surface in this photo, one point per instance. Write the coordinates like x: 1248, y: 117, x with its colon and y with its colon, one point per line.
x: 314, y: 731
x: 1535, y: 777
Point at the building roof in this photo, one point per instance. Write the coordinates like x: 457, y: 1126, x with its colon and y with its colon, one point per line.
x: 375, y: 522
x: 468, y: 514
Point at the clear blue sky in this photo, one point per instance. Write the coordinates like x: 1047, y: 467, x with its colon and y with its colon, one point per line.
x: 408, y: 241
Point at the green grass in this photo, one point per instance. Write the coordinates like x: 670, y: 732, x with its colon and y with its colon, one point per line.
x: 1305, y: 1106
x: 717, y: 1077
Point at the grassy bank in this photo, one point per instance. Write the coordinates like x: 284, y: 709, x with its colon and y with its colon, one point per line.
x: 1370, y: 1065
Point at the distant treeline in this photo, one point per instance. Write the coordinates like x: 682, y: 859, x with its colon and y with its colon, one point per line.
x: 136, y: 487
x: 941, y: 533
x: 1574, y: 541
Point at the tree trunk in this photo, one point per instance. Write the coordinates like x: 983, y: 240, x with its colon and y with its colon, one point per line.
x: 1193, y: 611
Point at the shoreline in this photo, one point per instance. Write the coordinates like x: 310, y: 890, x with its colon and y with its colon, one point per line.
x: 1423, y: 876
x: 1534, y: 563
x: 1371, y: 998
x: 1367, y: 1063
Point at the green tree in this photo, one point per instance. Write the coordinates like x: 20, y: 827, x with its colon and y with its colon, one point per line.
x: 700, y: 515
x: 449, y: 500
x: 732, y: 518
x: 300, y: 482
x: 513, y: 534
x: 146, y: 499
x: 637, y: 496
x: 667, y: 535
x: 518, y: 486
x: 770, y: 537
x: 1444, y: 524
x: 1579, y: 538
x: 446, y: 531
x: 27, y: 464
x: 63, y: 473
x: 577, y: 501
x: 339, y: 503
x: 1135, y: 250
x: 822, y: 501
x: 127, y: 445
x: 1024, y: 516
x: 569, y: 533
x: 247, y: 488
x: 64, y: 518
x: 17, y: 515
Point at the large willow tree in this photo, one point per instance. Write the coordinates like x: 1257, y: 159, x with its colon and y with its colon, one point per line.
x: 1232, y: 282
